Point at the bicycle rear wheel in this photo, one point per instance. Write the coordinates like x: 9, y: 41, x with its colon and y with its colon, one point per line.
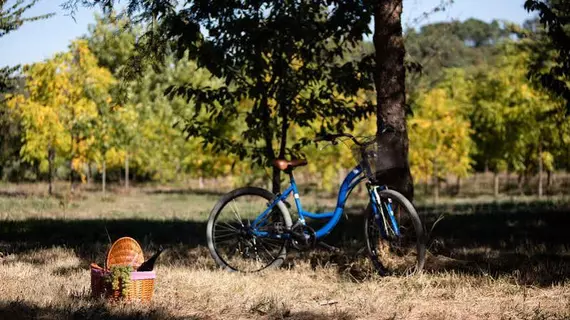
x: 395, y: 252
x: 231, y: 239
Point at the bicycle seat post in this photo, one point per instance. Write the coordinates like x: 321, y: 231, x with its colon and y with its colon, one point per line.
x: 293, y: 183
x: 296, y: 197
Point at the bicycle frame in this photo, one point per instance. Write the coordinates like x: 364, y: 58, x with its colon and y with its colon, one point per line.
x: 353, y: 178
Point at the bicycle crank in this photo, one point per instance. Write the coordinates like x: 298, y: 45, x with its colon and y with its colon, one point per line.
x: 303, y: 237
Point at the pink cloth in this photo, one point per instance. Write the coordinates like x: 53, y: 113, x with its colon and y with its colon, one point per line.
x: 135, y: 275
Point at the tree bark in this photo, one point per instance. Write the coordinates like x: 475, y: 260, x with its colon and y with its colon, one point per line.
x: 51, y: 156
x: 435, y: 183
x: 269, y: 152
x: 389, y: 78
x: 71, y: 166
x: 548, y: 181
x: 89, y: 174
x: 104, y: 177
x: 540, y: 169
x: 127, y: 171
x: 520, y: 183
x: 276, y: 181
x: 496, y: 184
x: 507, y: 181
x: 458, y: 186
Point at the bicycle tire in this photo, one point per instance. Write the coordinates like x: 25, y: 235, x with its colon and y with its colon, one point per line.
x: 373, y: 241
x: 222, y: 203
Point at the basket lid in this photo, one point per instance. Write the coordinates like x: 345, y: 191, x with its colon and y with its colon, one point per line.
x: 126, y: 251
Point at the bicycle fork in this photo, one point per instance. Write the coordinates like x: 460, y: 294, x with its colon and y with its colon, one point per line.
x: 384, y: 214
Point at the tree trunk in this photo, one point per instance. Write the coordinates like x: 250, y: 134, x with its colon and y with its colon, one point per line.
x: 282, y: 145
x: 71, y: 167
x: 507, y: 181
x: 104, y: 178
x: 458, y: 186
x: 268, y: 137
x: 540, y: 169
x: 276, y: 181
x: 496, y: 184
x: 389, y: 80
x: 127, y: 171
x: 520, y: 183
x: 435, y: 183
x: 89, y: 174
x: 51, y: 156
x: 548, y: 181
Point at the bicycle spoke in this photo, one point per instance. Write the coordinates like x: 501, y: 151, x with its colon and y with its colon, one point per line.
x: 274, y: 244
x: 228, y: 226
x: 224, y: 236
x: 226, y: 231
x: 265, y: 248
x: 236, y: 213
x: 265, y: 218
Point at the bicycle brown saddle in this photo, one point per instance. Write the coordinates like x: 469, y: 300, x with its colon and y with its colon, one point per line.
x: 283, y: 164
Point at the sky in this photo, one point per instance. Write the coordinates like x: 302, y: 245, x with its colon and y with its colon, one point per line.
x: 40, y: 40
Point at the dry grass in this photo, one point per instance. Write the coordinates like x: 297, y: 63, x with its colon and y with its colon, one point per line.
x: 507, y: 262
x: 57, y: 288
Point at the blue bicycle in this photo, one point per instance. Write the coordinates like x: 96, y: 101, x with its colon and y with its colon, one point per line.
x: 250, y: 229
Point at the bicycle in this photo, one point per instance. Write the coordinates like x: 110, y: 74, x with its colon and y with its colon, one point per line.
x: 256, y: 230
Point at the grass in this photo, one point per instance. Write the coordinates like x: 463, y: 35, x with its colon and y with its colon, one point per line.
x: 495, y: 260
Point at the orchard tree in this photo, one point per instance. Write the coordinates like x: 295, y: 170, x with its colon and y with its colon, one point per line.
x: 112, y: 42
x: 517, y: 125
x: 92, y: 86
x: 59, y: 109
x: 44, y: 132
x: 440, y: 138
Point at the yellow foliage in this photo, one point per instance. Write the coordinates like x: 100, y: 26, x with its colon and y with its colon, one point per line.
x: 59, y: 109
x: 439, y: 137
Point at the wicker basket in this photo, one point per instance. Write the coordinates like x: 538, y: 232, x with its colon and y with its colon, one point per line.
x: 124, y: 252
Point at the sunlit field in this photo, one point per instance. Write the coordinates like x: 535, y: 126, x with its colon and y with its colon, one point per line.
x: 497, y: 260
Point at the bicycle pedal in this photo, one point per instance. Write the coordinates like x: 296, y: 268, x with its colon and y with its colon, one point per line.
x: 328, y: 247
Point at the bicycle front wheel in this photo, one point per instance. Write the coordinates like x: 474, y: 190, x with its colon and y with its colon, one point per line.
x: 235, y: 243
x: 396, y: 245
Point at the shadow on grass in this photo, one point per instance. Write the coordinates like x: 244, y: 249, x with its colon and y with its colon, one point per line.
x: 526, y: 241
x: 90, y: 239
x: 20, y: 310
